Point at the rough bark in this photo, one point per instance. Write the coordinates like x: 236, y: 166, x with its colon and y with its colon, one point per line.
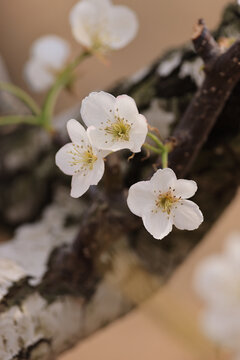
x: 222, y: 73
x: 66, y: 282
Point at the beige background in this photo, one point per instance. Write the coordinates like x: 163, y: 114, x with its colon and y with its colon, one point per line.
x: 154, y: 331
x: 163, y: 23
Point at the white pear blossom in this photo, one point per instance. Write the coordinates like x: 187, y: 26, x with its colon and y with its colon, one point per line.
x: 217, y: 278
x: 47, y: 57
x: 217, y: 281
x: 114, y: 123
x: 162, y: 202
x: 80, y: 159
x: 99, y: 25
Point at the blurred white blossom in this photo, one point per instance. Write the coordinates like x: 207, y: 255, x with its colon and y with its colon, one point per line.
x: 161, y: 202
x: 217, y: 281
x: 80, y: 159
x: 194, y: 69
x: 47, y: 57
x: 114, y: 123
x: 100, y: 26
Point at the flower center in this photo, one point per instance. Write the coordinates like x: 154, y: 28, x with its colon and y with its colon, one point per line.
x: 88, y: 158
x: 166, y: 201
x: 119, y: 129
x: 99, y: 44
x: 100, y: 36
x: 85, y: 158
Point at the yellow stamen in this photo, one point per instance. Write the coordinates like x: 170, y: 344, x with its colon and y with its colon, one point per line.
x: 85, y: 158
x: 88, y: 158
x: 166, y: 201
x: 119, y: 129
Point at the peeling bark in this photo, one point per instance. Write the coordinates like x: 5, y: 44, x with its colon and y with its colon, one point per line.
x: 43, y: 315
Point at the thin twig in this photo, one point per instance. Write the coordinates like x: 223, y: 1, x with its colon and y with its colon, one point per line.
x: 19, y: 119
x: 21, y: 95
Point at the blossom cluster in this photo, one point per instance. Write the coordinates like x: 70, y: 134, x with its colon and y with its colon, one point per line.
x: 114, y: 124
x: 217, y: 281
x: 98, y: 25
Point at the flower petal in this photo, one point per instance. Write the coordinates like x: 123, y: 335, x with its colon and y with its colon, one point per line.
x: 97, y: 171
x: 233, y: 250
x: 157, y: 224
x: 95, y: 20
x: 51, y: 50
x: 187, y: 215
x: 83, y: 19
x: 138, y: 133
x: 97, y: 108
x: 101, y: 153
x: 77, y: 133
x: 140, y: 198
x: 100, y: 139
x: 102, y: 4
x: 185, y: 188
x: 106, y: 142
x: 222, y: 326
x: 81, y: 183
x: 163, y: 179
x: 122, y: 26
x: 126, y: 107
x: 64, y: 159
x: 217, y: 281
x: 37, y: 76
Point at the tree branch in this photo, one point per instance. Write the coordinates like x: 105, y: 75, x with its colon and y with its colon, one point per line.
x: 71, y: 288
x: 204, y: 44
x: 222, y: 74
x: 75, y: 269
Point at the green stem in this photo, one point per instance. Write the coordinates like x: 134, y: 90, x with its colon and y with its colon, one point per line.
x: 156, y: 140
x: 162, y: 149
x: 152, y: 148
x: 19, y: 119
x: 21, y: 95
x: 62, y: 80
x: 165, y: 159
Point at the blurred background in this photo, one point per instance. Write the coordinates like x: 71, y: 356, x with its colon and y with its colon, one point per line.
x: 149, y: 332
x: 163, y: 24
